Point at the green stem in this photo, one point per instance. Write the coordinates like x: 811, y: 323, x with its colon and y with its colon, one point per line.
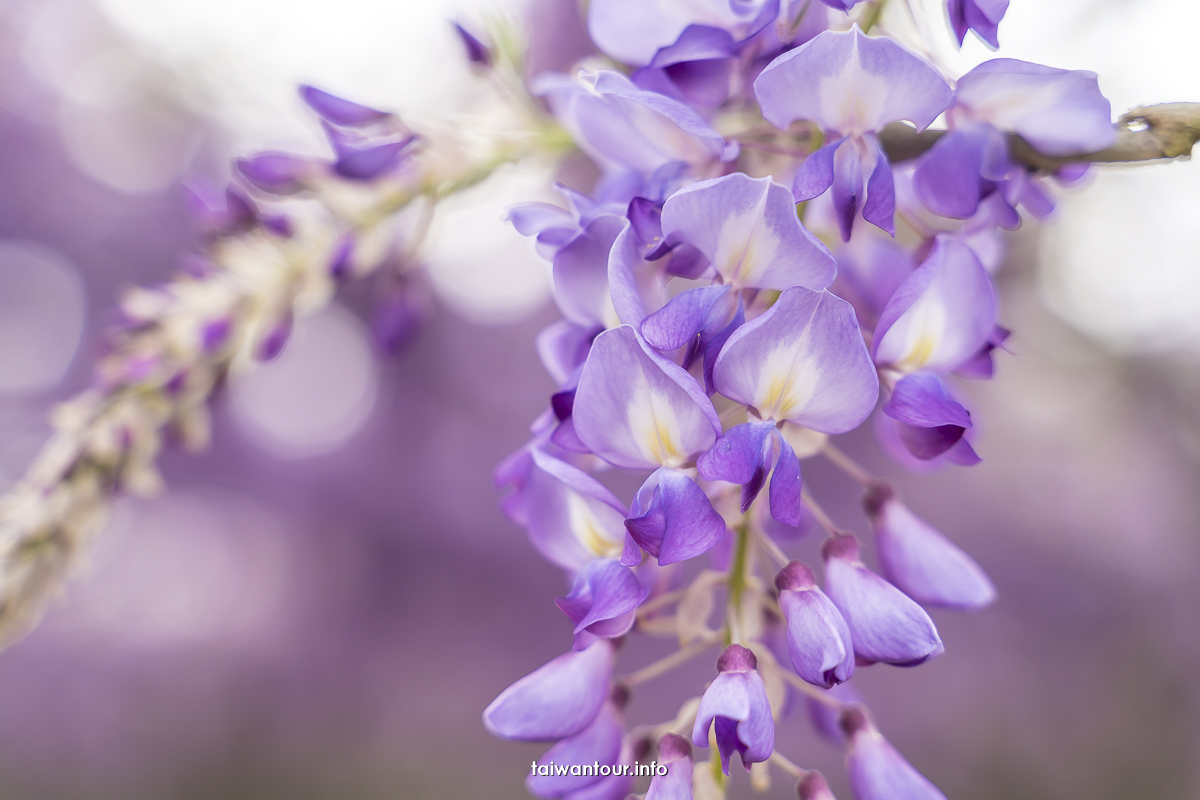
x: 737, y: 583
x: 876, y: 12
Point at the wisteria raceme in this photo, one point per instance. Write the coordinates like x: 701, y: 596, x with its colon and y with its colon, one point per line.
x: 781, y: 244
x: 726, y: 311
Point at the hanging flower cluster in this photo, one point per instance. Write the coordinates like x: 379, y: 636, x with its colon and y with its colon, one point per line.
x: 753, y: 273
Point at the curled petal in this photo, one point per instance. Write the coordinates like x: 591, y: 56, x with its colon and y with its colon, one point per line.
x: 557, y: 700
x: 981, y: 16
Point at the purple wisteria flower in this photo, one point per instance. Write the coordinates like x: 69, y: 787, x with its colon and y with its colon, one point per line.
x: 885, y: 624
x: 877, y: 770
x: 802, y: 362
x: 940, y: 318
x: 814, y: 787
x: 1059, y: 112
x: 735, y: 705
x: 920, y: 561
x: 557, y: 700
x: 818, y: 638
x: 852, y: 85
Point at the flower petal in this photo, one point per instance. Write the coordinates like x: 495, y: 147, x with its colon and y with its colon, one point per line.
x: 556, y: 700
x: 804, y: 360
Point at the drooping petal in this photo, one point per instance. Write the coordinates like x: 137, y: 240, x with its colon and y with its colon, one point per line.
x: 636, y: 409
x: 920, y: 561
x: 556, y: 700
x: 736, y: 704
x: 876, y: 769
x: 885, y: 624
x: 818, y: 638
x: 948, y: 179
x: 1060, y: 112
x: 675, y: 753
x: 786, y: 485
x: 851, y: 83
x: 673, y: 519
x: 600, y: 742
x: 816, y: 173
x: 879, y: 207
x: 748, y: 229
x: 941, y: 315
x: 804, y: 360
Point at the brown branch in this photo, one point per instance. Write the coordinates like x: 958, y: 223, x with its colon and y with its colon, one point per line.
x: 1151, y: 133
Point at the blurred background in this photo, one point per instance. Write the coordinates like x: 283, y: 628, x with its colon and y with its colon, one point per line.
x: 324, y: 602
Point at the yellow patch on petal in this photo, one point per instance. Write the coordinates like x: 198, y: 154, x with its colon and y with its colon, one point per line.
x: 588, y: 529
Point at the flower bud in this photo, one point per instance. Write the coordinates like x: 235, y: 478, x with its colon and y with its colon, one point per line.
x: 735, y: 704
x: 819, y: 641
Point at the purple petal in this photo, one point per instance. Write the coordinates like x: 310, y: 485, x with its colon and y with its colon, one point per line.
x: 848, y: 189
x: 278, y: 173
x: 599, y: 741
x: 603, y: 590
x: 681, y: 320
x: 740, y: 699
x: 338, y: 110
x: 748, y: 229
x: 626, y: 274
x: 922, y: 399
x: 636, y: 409
x: 816, y: 173
x: 634, y: 31
x: 885, y: 625
x: 571, y: 518
x: 372, y: 161
x: 851, y: 83
x: 557, y: 700
x: 477, y: 52
x: 673, y: 518
x: 818, y: 637
x: 879, y: 209
x: 877, y: 771
x: 785, y: 486
x: 941, y: 315
x: 981, y: 16
x: 804, y: 360
x: 1060, y: 112
x: 929, y: 443
x: 562, y: 348
x: 921, y: 562
x: 675, y: 753
x: 813, y: 786
x: 581, y: 273
x: 737, y: 454
x: 948, y: 179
